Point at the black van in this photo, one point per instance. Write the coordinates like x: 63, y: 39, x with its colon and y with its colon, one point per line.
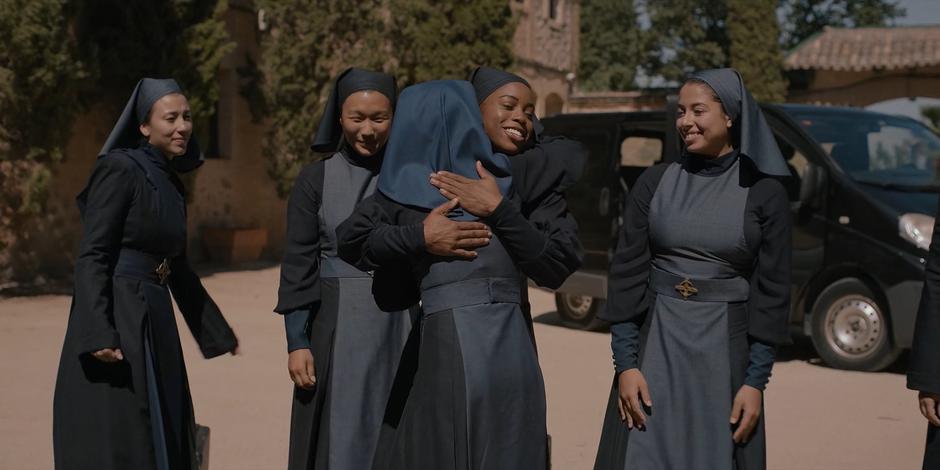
x: 863, y: 193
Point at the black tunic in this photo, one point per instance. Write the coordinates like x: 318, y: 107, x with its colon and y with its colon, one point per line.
x: 463, y: 410
x: 136, y: 413
x: 924, y: 368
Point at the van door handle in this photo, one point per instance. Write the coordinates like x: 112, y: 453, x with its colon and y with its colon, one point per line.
x: 603, y: 205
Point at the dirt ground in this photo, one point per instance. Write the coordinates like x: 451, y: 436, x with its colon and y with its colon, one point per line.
x: 817, y: 418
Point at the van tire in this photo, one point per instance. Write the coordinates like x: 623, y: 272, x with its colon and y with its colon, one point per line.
x: 578, y: 310
x: 851, y: 329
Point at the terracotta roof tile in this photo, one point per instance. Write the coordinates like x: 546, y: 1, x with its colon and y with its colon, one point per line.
x: 867, y: 49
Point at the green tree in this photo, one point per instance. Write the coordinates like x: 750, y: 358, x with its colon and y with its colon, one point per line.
x: 307, y: 43
x: 805, y: 18
x: 932, y: 114
x: 438, y: 39
x: 124, y: 41
x: 755, y: 47
x: 686, y: 35
x: 38, y: 76
x: 612, y: 45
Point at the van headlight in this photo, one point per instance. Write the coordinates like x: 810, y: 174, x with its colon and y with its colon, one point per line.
x: 917, y: 229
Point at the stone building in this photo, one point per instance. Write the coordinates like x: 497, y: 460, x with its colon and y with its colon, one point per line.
x: 862, y: 66
x: 233, y: 200
x: 546, y: 49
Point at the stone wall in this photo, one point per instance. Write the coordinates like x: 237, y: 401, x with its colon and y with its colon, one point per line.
x: 546, y: 48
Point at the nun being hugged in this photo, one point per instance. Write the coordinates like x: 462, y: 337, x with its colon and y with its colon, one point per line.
x: 346, y: 328
x: 476, y: 399
x: 122, y: 397
x: 699, y: 291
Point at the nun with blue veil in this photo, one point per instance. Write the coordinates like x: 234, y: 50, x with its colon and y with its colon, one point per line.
x: 122, y: 397
x: 476, y: 399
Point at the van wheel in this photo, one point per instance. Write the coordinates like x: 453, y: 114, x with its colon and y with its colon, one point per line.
x: 850, y: 329
x: 577, y: 309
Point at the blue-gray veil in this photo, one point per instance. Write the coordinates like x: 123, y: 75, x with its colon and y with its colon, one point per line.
x: 437, y: 127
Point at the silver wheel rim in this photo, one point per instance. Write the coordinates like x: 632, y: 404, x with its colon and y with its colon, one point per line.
x: 855, y: 327
x: 578, y: 306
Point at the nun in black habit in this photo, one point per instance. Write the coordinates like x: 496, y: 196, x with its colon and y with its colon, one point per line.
x: 558, y: 160
x: 345, y: 333
x: 698, y: 292
x: 122, y: 398
x: 477, y: 399
x: 923, y: 372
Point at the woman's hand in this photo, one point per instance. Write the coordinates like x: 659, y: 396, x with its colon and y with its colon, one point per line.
x: 478, y: 197
x: 109, y: 355
x: 633, y: 388
x: 929, y: 402
x: 300, y: 366
x: 745, y: 412
x: 449, y: 238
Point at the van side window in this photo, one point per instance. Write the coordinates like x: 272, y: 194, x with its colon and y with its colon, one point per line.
x: 638, y: 151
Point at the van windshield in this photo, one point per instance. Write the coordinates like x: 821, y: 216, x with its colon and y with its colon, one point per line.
x: 878, y: 149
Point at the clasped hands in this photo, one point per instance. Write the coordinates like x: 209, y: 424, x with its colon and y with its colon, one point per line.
x: 479, y: 197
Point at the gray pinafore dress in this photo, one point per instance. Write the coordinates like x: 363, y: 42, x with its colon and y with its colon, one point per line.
x: 356, y: 345
x: 478, y: 398
x: 696, y: 348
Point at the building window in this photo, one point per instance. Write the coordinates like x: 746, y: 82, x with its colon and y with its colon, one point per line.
x: 553, y: 9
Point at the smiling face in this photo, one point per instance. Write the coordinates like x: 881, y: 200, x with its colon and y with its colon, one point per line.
x: 702, y: 122
x: 507, y: 117
x: 169, y: 126
x: 366, y: 120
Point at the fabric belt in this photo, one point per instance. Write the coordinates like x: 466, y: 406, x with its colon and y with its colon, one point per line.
x: 142, y: 266
x: 471, y: 292
x: 334, y: 267
x: 735, y: 289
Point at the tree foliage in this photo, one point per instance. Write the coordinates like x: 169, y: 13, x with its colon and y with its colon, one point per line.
x: 124, y: 41
x: 686, y: 35
x: 307, y: 44
x: 754, y: 36
x: 38, y: 75
x: 438, y: 39
x: 612, y: 45
x: 309, y: 41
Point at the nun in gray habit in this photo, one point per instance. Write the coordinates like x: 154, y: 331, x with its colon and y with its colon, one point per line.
x: 698, y: 294
x: 135, y: 412
x: 477, y: 399
x: 355, y: 323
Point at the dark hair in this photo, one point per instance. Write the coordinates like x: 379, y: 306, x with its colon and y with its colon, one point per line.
x: 705, y: 84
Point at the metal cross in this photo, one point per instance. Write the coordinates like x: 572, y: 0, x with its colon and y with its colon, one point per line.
x: 686, y: 289
x: 163, y: 271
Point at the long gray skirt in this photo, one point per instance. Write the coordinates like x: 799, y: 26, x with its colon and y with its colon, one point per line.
x: 694, y: 359
x: 477, y: 399
x: 356, y: 350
